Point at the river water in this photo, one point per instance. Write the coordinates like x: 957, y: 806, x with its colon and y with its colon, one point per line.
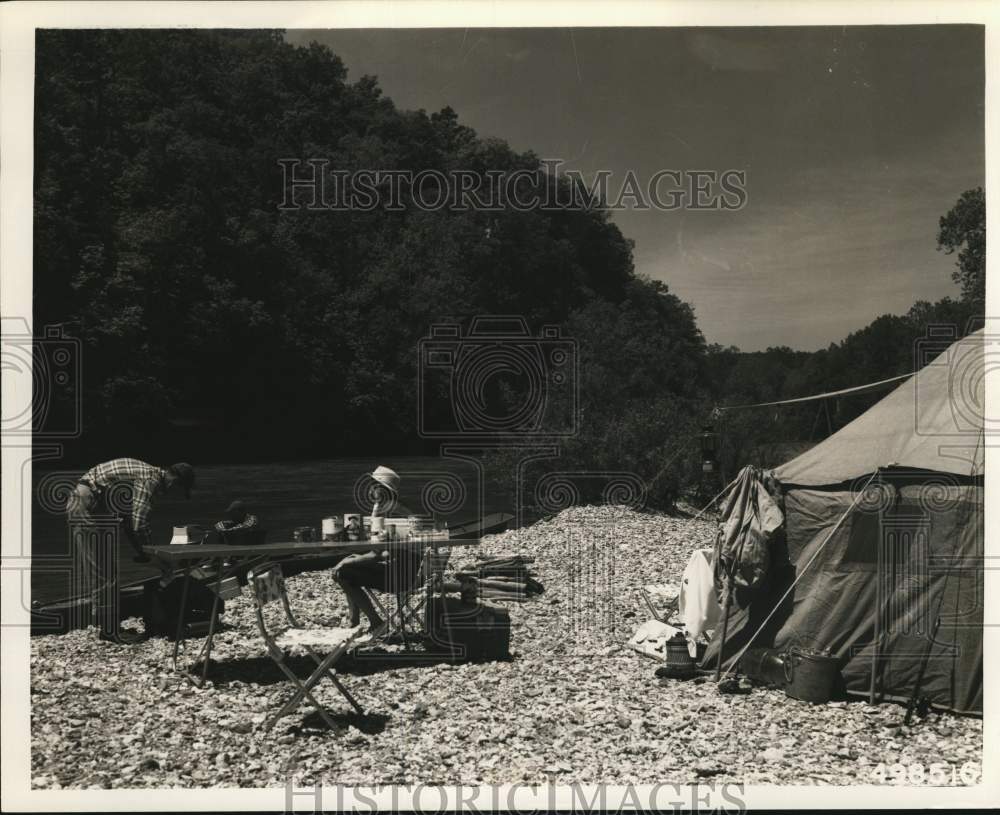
x: 283, y: 495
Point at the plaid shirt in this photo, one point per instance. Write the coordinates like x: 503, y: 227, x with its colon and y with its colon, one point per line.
x: 145, y: 481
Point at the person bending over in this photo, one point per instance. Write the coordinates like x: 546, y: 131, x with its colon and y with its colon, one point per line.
x: 121, y: 491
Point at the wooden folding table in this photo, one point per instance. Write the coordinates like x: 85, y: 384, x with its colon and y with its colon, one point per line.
x: 227, y: 560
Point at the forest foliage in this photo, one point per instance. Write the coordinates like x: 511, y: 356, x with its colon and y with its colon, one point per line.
x: 216, y: 326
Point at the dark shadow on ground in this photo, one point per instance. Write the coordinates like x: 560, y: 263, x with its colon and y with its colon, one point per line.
x: 376, y: 660
x: 312, y: 725
x: 688, y: 512
x: 264, y: 671
x: 255, y: 670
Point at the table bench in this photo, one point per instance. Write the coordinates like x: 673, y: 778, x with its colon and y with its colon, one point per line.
x: 228, y: 560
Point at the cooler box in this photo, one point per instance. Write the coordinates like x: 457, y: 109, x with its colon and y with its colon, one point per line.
x: 471, y: 632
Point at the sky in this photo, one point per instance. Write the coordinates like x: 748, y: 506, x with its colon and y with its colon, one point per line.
x: 854, y: 140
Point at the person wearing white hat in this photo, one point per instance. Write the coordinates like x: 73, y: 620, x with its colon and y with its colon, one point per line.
x: 391, y: 569
x: 386, y: 491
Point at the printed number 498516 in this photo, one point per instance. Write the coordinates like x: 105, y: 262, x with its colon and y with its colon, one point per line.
x: 939, y: 774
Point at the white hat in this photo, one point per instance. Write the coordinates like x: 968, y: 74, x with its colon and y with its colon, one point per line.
x: 387, y: 478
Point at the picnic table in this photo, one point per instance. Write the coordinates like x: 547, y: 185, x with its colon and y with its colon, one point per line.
x: 228, y: 560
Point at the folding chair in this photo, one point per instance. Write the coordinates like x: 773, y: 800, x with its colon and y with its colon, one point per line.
x: 325, y: 645
x: 662, y: 600
x: 411, y: 600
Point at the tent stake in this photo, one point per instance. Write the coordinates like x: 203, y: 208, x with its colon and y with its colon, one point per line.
x: 871, y: 685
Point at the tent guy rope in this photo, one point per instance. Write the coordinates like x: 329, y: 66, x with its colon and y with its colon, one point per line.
x: 871, y: 386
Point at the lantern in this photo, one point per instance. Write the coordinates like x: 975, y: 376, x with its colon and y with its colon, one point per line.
x: 709, y: 444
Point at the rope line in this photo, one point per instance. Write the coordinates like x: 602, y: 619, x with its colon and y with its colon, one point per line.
x: 670, y: 461
x: 871, y: 386
x: 705, y: 509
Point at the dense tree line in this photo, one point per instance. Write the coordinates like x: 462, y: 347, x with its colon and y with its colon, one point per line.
x: 211, y: 317
x: 217, y: 325
x: 890, y: 346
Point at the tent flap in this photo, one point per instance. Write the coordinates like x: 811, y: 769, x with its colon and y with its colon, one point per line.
x: 750, y: 518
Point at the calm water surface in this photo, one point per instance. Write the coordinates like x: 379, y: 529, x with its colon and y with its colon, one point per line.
x: 283, y: 495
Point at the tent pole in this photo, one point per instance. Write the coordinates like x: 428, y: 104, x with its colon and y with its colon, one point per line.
x: 911, y: 705
x: 722, y: 448
x: 878, y: 632
x: 876, y: 639
x: 725, y: 627
x: 812, y: 430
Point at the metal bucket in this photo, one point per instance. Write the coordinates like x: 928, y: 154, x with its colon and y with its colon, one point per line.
x: 764, y: 666
x: 810, y: 675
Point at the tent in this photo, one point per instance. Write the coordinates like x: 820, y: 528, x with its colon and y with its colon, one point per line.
x: 880, y: 558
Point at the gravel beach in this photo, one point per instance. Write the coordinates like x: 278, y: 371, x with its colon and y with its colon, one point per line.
x: 574, y: 704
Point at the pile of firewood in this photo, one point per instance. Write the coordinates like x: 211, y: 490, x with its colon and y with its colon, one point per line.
x: 505, y: 579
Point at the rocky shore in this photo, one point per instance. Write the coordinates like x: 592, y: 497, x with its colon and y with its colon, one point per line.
x: 574, y: 704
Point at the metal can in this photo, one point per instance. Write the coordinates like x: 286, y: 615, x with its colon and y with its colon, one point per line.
x: 354, y: 527
x: 333, y: 528
x: 421, y: 523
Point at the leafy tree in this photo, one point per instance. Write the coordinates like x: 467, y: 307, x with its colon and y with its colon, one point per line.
x: 210, y: 317
x: 215, y: 322
x: 963, y: 230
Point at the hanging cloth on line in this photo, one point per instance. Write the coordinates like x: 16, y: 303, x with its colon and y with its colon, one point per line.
x: 750, y: 517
